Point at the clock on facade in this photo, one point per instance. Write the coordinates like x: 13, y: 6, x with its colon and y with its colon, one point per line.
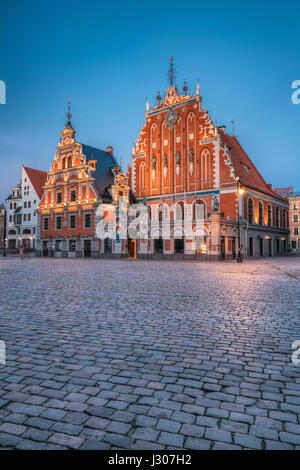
x: 171, y: 118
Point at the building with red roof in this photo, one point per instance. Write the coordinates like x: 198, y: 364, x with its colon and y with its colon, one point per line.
x: 22, y: 203
x: 181, y: 163
x: 284, y: 192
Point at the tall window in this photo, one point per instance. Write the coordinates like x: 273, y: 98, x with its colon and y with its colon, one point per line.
x: 277, y: 217
x: 72, y: 221
x: 87, y: 220
x: 199, y: 210
x: 179, y: 211
x: 284, y: 219
x: 260, y: 213
x: 58, y: 222
x: 250, y: 211
x: 295, y: 218
x: 142, y: 176
x: 58, y: 197
x: 58, y: 245
x: 205, y: 166
x: 73, y: 195
x: 269, y: 215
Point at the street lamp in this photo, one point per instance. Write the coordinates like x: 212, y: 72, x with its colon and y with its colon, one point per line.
x: 240, y: 192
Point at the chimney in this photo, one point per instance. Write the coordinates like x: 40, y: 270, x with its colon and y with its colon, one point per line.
x: 110, y: 149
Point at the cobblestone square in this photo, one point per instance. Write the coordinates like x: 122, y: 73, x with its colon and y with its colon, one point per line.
x: 118, y: 354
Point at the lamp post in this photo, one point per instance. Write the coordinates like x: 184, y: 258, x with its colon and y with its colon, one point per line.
x: 240, y: 192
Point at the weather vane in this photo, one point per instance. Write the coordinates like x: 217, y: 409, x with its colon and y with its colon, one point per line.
x: 171, y: 72
x: 69, y: 115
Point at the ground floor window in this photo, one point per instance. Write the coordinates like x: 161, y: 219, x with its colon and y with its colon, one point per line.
x: 58, y: 244
x: 72, y: 245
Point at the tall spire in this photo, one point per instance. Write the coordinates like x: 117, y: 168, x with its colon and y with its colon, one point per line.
x: 172, y: 73
x: 69, y: 115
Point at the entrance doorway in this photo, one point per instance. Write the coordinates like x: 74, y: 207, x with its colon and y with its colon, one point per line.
x: 45, y: 248
x: 131, y: 249
x: 251, y: 246
x: 223, y: 247
x: 270, y: 246
x: 158, y: 245
x: 178, y: 245
x: 108, y: 246
x: 233, y: 248
x: 87, y: 248
x: 261, y: 247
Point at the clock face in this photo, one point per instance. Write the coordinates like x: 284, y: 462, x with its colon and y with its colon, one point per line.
x: 171, y: 118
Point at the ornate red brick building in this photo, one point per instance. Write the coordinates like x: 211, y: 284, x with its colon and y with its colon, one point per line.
x: 182, y: 159
x: 81, y: 179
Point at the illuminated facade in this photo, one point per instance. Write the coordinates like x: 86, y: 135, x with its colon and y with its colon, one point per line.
x: 182, y: 159
x: 81, y: 179
x: 294, y: 199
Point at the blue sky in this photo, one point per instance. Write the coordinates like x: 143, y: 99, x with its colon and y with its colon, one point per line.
x: 108, y: 56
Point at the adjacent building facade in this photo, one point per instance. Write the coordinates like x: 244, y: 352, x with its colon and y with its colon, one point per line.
x: 81, y: 179
x: 294, y: 199
x: 21, y: 216
x: 2, y: 226
x: 182, y: 161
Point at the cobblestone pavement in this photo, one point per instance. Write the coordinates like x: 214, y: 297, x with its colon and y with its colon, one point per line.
x: 113, y: 354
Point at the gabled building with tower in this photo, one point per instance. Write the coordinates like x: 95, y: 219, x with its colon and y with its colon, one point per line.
x: 81, y: 179
x: 181, y: 162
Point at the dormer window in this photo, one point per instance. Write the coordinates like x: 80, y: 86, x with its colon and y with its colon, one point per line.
x: 247, y: 168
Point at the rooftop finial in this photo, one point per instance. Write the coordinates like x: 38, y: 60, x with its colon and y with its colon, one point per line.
x: 185, y: 87
x: 233, y: 128
x: 171, y: 72
x: 198, y: 87
x: 69, y: 115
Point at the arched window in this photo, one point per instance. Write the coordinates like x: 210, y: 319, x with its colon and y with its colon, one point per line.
x: 12, y: 232
x: 26, y: 231
x: 250, y: 211
x: 142, y: 176
x: 260, y: 213
x: 284, y: 218
x: 205, y: 166
x: 269, y: 215
x: 199, y: 210
x: 277, y: 217
x: 179, y: 214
